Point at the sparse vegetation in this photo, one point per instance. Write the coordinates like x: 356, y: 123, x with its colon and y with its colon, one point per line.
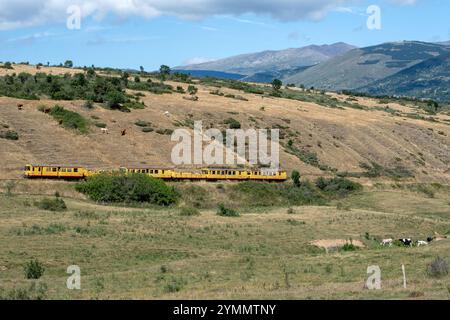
x: 189, y: 211
x: 438, y: 268
x: 56, y: 204
x: 9, y: 135
x: 223, y: 211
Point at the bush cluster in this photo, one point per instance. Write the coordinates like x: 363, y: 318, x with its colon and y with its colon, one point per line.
x: 133, y: 188
x: 337, y: 186
x: 69, y: 119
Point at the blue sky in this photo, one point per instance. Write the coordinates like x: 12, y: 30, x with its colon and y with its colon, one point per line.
x: 115, y: 34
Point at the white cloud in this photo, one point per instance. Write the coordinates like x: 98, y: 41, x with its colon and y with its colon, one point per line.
x: 23, y: 13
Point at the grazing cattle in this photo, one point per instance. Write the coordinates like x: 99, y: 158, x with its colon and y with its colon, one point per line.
x: 387, y: 242
x: 19, y: 106
x: 167, y: 114
x: 104, y: 130
x: 430, y: 239
x: 406, y: 242
x: 421, y: 243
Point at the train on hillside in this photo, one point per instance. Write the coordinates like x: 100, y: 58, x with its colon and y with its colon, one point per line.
x: 207, y: 174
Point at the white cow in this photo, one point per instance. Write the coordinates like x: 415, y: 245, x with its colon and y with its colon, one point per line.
x: 387, y: 242
x: 104, y: 130
x: 422, y: 243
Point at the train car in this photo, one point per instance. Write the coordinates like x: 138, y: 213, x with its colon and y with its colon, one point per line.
x: 208, y: 174
x: 55, y: 172
x: 242, y: 175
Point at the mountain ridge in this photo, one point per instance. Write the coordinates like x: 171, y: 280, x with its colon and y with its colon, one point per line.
x: 273, y: 60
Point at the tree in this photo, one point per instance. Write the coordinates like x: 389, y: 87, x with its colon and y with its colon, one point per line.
x: 68, y: 64
x: 295, y: 176
x: 164, y: 70
x: 137, y: 79
x: 142, y: 69
x: 277, y: 84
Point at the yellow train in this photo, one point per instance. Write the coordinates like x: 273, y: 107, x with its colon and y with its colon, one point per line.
x: 209, y: 174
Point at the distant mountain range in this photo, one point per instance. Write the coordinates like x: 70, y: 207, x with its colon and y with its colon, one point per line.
x: 272, y: 62
x: 406, y: 68
x: 361, y: 67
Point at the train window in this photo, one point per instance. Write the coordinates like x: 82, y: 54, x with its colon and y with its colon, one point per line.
x: 75, y: 170
x: 163, y: 172
x: 54, y: 169
x: 70, y: 170
x: 27, y: 168
x: 63, y: 170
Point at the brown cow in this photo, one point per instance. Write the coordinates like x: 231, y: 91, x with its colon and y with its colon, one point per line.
x: 19, y: 106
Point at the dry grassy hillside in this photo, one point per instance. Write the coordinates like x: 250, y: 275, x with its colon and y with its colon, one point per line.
x: 341, y: 138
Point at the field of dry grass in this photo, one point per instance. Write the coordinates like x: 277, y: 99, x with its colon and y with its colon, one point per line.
x: 151, y: 253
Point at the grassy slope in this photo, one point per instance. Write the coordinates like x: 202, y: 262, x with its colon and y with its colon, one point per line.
x: 341, y: 138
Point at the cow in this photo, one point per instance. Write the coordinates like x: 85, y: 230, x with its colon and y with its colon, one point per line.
x: 430, y: 239
x: 104, y: 130
x: 406, y: 242
x: 167, y: 114
x: 19, y: 106
x: 124, y: 132
x: 387, y: 242
x: 421, y: 243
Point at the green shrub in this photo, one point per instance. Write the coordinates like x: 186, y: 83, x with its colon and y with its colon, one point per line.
x: 134, y: 105
x: 226, y: 212
x: 337, y: 186
x: 189, y: 211
x: 232, y: 123
x: 34, y: 269
x: 9, y: 135
x: 100, y: 125
x: 133, y: 188
x: 56, y: 204
x: 348, y: 247
x: 69, y: 119
x: 142, y: 123
x: 295, y: 176
x: 147, y: 129
x: 164, y: 131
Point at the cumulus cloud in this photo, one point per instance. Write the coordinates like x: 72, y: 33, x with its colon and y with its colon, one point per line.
x: 23, y: 13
